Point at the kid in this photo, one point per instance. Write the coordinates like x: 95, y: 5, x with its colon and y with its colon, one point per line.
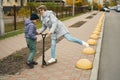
x: 30, y: 36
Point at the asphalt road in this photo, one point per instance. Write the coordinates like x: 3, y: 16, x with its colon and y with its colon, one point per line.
x: 109, y: 68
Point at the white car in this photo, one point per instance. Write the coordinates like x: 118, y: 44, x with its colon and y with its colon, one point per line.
x: 105, y: 9
x: 118, y: 9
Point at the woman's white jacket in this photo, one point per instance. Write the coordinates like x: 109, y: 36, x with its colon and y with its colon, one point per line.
x: 56, y: 27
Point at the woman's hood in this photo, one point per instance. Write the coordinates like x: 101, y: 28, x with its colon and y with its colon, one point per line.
x: 47, y: 13
x: 45, y: 16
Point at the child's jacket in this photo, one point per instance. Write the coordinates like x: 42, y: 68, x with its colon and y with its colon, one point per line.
x: 30, y: 30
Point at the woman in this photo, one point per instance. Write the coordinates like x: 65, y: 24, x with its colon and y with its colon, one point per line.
x: 56, y: 29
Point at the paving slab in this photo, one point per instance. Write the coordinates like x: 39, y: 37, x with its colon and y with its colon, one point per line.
x: 67, y: 53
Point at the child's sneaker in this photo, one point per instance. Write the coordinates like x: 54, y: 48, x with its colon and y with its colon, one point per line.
x: 51, y: 60
x: 34, y: 62
x: 30, y: 65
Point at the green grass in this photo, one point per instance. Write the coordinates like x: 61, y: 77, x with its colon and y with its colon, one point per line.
x: 9, y: 28
x: 13, y: 33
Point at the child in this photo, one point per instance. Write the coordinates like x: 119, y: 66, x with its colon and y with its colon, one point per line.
x: 30, y: 36
x: 56, y: 29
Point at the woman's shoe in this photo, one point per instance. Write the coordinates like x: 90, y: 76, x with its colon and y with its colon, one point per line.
x: 85, y: 44
x: 51, y: 60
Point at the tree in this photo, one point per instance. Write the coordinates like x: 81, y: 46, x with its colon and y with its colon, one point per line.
x: 25, y: 11
x: 112, y: 3
x: 95, y: 6
x: 52, y: 5
x: 1, y: 20
x: 106, y: 3
x: 77, y: 2
x: 32, y: 6
x: 99, y: 7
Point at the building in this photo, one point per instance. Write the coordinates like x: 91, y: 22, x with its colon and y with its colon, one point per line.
x: 56, y: 1
x: 24, y: 2
x: 14, y: 2
x: 8, y: 4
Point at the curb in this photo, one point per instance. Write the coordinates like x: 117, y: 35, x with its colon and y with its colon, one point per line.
x: 94, y: 72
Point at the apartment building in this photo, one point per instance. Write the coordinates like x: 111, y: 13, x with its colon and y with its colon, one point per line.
x: 14, y: 2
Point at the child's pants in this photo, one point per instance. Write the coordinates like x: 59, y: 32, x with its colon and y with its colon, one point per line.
x: 32, y: 47
x: 68, y: 37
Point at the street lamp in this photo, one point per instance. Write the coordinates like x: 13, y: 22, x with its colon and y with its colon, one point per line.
x: 1, y: 19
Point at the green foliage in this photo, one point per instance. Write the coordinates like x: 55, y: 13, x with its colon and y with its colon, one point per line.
x: 7, y: 35
x: 106, y: 3
x: 113, y: 3
x: 33, y: 4
x: 99, y: 6
x: 52, y: 5
x: 24, y: 12
x: 95, y: 6
x: 79, y: 4
x: 85, y: 2
x: 89, y: 6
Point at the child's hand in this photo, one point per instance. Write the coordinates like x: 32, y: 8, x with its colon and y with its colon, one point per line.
x: 38, y: 33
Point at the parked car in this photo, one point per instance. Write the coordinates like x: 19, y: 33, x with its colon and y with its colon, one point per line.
x: 118, y: 8
x: 105, y: 9
x: 113, y: 8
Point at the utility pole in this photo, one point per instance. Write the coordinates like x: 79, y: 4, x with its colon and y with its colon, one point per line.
x: 14, y: 8
x: 73, y: 12
x: 1, y: 19
x: 92, y: 5
x: 115, y: 2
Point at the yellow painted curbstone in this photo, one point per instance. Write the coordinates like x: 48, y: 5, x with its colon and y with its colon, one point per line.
x: 98, y: 29
x: 99, y: 25
x: 88, y: 50
x: 96, y: 32
x: 92, y: 42
x: 84, y: 64
x: 94, y: 36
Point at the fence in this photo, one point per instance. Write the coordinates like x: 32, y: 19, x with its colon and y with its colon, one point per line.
x: 14, y: 22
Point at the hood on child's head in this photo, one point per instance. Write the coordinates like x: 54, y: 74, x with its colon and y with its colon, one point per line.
x: 27, y: 21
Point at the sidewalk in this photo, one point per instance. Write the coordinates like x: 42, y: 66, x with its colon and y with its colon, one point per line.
x: 67, y: 53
